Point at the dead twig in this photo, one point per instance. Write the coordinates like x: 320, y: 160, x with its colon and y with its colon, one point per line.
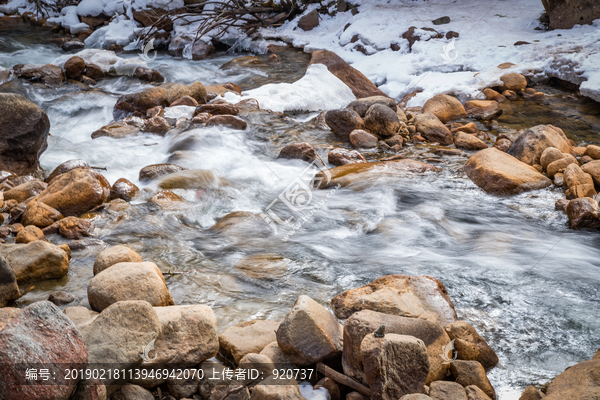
x: 343, y: 379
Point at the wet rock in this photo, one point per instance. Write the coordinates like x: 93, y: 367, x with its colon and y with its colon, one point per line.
x: 36, y: 261
x: 218, y: 109
x: 49, y: 74
x: 188, y: 334
x: 155, y: 171
x: 61, y: 298
x: 309, y: 21
x: 503, y: 144
x: 579, y: 381
x: 483, y: 109
x: 132, y: 392
x: 447, y: 152
x: 360, y: 85
x: 531, y: 393
x: 432, y: 129
x: 275, y: 354
x: 66, y: 167
x: 580, y: 184
x: 192, y: 179
x: 74, y: 228
x: 309, y: 333
x: 361, y: 106
x: 228, y: 121
x: 165, y: 198
x: 177, y: 45
x: 124, y: 189
x: 365, y: 322
x: 29, y: 234
x: 561, y: 204
x: 467, y: 141
x: 500, y: 173
x: 343, y: 122
x: 340, y: 156
x: 201, y: 51
x: 148, y: 75
x: 412, y: 296
x: 185, y: 101
x: 360, y: 139
x: 382, y: 120
x: 200, y: 119
x: 94, y: 72
x: 157, y: 111
x: 513, y: 81
x: 301, y: 151
x: 248, y: 337
x: 138, y: 103
x: 40, y: 334
x: 158, y: 125
x: 394, y: 365
x: 9, y: 289
x: 114, y: 255
x: 24, y: 131
x: 560, y: 165
x: 510, y: 94
x: 349, y: 174
x: 130, y: 325
x: 73, y: 45
x: 197, y: 92
x: 583, y: 213
x: 128, y: 281
x: 76, y: 192
x: 74, y: 67
x: 443, y: 390
x: 469, y: 373
x: 24, y: 191
x: 446, y: 108
x: 469, y: 345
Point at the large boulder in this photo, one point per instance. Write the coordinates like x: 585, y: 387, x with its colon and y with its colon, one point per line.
x: 349, y: 174
x: 65, y: 167
x: 581, y: 381
x: 469, y: 345
x: 76, y: 192
x: 530, y: 145
x: 446, y: 108
x: 366, y: 322
x: 564, y: 14
x: 409, y: 296
x: 343, y: 122
x: 499, y: 173
x: 431, y: 128
x: 39, y: 335
x: 188, y: 334
x: 382, y: 120
x: 583, y: 213
x: 136, y: 104
x: 248, y: 337
x: 128, y: 281
x: 36, y: 261
x: 114, y: 255
x: 360, y: 85
x: 9, y: 290
x: 394, y: 365
x: 309, y: 333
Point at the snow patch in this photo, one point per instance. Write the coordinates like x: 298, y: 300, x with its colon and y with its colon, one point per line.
x: 107, y: 60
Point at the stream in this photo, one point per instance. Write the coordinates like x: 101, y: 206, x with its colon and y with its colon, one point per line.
x: 513, y: 267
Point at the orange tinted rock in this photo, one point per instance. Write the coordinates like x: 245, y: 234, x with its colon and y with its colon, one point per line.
x: 228, y: 121
x: 445, y: 107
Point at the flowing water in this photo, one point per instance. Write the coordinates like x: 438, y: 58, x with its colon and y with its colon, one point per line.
x: 516, y: 272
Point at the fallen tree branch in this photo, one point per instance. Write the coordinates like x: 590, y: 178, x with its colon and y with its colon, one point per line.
x: 343, y: 379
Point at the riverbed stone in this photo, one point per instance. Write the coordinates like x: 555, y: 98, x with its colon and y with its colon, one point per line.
x: 29, y: 234
x: 513, y: 81
x: 469, y: 345
x: 124, y: 189
x: 36, y: 261
x: 158, y: 125
x: 446, y: 108
x: 9, y: 289
x: 331, y: 386
x: 128, y: 281
x: 365, y: 322
x: 273, y: 351
x: 444, y: 390
x: 301, y: 151
x: 188, y: 334
x: 228, y: 121
x: 65, y: 167
x: 247, y: 337
x: 80, y: 315
x: 360, y: 85
x: 114, y: 255
x: 39, y: 334
x: 560, y: 165
x: 579, y: 183
x: 432, y: 129
x: 416, y: 396
x: 469, y: 373
x: 531, y: 393
x: 361, y: 106
x: 340, y: 156
x: 483, y: 109
x: 530, y: 145
x: 217, y: 109
x: 40, y: 215
x: 76, y: 192
x: 497, y: 172
x: 75, y: 228
x: 264, y: 266
x: 25, y: 190
x: 270, y: 389
x: 579, y: 381
x: 593, y: 151
x: 549, y: 155
x: 343, y: 122
x: 394, y: 365
x: 411, y: 296
x: 117, y: 130
x: 132, y: 392
x: 468, y: 141
x: 137, y: 103
x: 154, y: 171
x: 382, y: 120
x: 60, y: 298
x: 74, y: 67
x: 51, y: 75
x: 583, y: 213
x: 592, y: 168
x: 360, y: 139
x: 310, y: 334
x: 148, y: 75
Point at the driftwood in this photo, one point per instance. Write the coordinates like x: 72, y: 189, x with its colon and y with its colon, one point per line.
x: 343, y: 379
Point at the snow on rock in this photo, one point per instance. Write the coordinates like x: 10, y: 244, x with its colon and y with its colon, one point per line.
x: 91, y: 8
x: 119, y: 31
x: 163, y: 4
x: 68, y: 18
x: 13, y: 6
x: 317, y: 90
x: 107, y: 60
x: 172, y: 114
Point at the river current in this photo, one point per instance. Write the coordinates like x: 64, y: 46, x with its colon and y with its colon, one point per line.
x: 514, y: 269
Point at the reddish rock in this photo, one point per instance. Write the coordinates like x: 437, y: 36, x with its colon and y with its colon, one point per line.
x: 74, y: 228
x: 218, y: 109
x: 361, y: 139
x: 301, y: 151
x: 343, y: 122
x: 148, y: 75
x: 583, y: 213
x: 185, y: 101
x: 157, y: 125
x: 124, y: 189
x: 340, y: 156
x: 229, y: 121
x: 74, y: 67
x: 66, y: 167
x: 446, y: 108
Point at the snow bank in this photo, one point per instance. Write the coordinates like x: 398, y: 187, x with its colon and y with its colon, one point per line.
x: 307, y: 391
x: 13, y: 6
x: 317, y: 90
x: 107, y: 60
x: 120, y: 31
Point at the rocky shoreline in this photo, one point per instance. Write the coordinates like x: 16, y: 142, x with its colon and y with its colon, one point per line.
x: 394, y: 329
